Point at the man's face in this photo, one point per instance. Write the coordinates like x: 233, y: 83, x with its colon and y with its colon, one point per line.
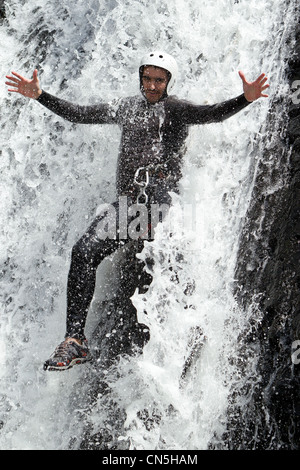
x: 154, y: 81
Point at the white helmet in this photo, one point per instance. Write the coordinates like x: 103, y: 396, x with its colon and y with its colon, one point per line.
x: 164, y: 61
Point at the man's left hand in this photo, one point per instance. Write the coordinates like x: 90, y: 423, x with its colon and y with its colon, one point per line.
x: 254, y: 90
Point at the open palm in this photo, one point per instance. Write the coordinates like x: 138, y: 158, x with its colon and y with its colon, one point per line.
x: 24, y: 86
x: 254, y: 90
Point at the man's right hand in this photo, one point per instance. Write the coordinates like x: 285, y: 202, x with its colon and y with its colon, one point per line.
x: 24, y: 86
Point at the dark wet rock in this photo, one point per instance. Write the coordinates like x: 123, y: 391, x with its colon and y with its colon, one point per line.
x: 268, y: 275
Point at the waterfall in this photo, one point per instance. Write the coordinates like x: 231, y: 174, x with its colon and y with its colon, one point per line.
x: 179, y: 392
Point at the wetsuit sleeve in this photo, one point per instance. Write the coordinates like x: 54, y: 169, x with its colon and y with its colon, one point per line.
x: 102, y: 113
x: 205, y: 114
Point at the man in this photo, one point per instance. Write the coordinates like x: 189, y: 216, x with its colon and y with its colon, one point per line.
x: 154, y: 129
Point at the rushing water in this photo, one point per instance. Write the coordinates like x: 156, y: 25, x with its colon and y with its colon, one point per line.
x: 54, y: 175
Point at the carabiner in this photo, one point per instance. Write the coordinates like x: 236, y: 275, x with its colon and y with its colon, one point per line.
x: 142, y: 184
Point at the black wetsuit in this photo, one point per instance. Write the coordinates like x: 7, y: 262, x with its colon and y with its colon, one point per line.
x: 153, y: 136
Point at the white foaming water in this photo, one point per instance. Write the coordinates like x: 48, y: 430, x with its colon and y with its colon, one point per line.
x: 54, y: 175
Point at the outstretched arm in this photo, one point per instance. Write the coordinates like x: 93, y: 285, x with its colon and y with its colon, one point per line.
x: 254, y: 90
x: 101, y: 113
x: 24, y: 86
x: 195, y: 114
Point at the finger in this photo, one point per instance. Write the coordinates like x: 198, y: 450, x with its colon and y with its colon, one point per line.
x: 242, y: 75
x: 265, y: 87
x: 11, y: 84
x: 34, y: 75
x: 18, y: 75
x: 260, y: 77
x: 13, y: 79
x: 264, y: 80
x: 13, y: 91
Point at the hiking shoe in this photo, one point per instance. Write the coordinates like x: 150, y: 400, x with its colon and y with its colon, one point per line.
x: 67, y: 354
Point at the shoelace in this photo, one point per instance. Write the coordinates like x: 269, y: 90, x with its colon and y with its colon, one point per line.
x: 63, y: 349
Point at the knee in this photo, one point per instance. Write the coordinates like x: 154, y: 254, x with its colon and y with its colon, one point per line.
x: 85, y: 252
x: 80, y: 253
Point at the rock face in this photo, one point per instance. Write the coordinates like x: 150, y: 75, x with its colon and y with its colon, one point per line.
x: 268, y: 275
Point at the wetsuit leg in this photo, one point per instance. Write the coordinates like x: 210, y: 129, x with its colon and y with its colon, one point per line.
x: 87, y: 254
